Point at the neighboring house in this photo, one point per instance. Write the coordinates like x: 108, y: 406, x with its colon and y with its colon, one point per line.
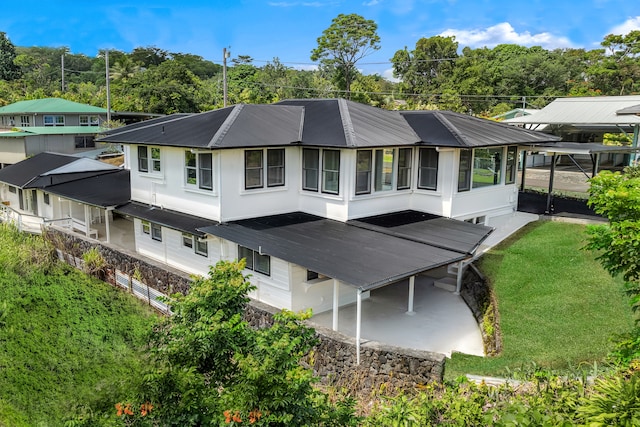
x: 325, y: 199
x: 52, y: 125
x: 69, y: 191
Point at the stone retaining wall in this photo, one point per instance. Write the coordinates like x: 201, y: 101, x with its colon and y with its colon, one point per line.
x: 333, y: 360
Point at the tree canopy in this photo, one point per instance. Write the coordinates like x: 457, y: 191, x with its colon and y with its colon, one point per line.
x: 347, y: 40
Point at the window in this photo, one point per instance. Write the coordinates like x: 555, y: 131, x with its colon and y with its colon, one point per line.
x: 187, y: 240
x: 255, y: 261
x: 253, y: 169
x: 85, y: 141
x: 312, y: 275
x: 156, y: 232
x: 53, y: 120
x: 384, y: 169
x: 310, y: 167
x: 12, y: 189
x: 428, y: 169
x: 363, y: 172
x: 464, y: 170
x: 331, y: 171
x: 275, y: 167
x: 25, y: 121
x: 146, y: 155
x: 143, y: 158
x: 404, y: 169
x: 199, y: 169
x: 146, y: 227
x: 487, y: 167
x: 512, y: 165
x: 45, y: 197
x: 89, y: 121
x: 200, y: 247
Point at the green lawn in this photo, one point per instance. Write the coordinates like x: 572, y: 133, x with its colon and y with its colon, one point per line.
x: 558, y: 307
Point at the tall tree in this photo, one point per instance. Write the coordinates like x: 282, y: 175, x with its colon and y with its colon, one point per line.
x: 8, y: 69
x: 618, y: 70
x: 348, y: 39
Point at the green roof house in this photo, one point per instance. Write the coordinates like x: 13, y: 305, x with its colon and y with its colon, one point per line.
x: 47, y: 125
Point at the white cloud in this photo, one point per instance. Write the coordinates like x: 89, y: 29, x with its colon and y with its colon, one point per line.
x: 627, y: 26
x: 505, y: 33
x: 388, y: 75
x: 372, y: 3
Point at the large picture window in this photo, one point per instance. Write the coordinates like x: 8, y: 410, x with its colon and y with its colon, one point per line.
x: 254, y: 260
x: 199, y: 169
x: 384, y: 169
x: 487, y: 167
x: 428, y: 170
x: 53, y: 120
x: 331, y: 171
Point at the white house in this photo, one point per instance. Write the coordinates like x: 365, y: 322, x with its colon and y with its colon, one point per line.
x: 326, y: 199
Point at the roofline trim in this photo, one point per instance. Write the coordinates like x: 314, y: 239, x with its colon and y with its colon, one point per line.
x: 347, y: 124
x: 226, y: 126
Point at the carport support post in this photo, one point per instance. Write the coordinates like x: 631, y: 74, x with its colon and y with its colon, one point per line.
x: 459, y: 277
x: 551, y: 175
x: 358, y: 322
x: 87, y: 220
x: 524, y: 169
x: 336, y: 299
x: 634, y: 143
x: 107, y: 223
x: 412, y: 283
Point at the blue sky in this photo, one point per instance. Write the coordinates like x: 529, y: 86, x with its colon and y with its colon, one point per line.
x: 288, y: 29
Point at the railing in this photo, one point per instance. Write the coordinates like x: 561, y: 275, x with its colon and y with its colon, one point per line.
x: 24, y: 221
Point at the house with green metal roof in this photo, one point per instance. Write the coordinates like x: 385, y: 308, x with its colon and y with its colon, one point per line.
x: 48, y: 125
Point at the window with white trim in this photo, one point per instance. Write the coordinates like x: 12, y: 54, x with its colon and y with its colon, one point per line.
x: 45, y: 198
x: 149, y: 159
x: 156, y: 232
x: 331, y: 171
x: 481, y: 167
x: 25, y: 121
x: 51, y: 120
x: 146, y: 227
x: 84, y: 141
x: 363, y: 171
x: 254, y: 260
x: 257, y: 165
x: 310, y: 168
x: 199, y: 169
x: 383, y: 170
x: 199, y: 246
x: 404, y: 169
x: 89, y: 120
x: 428, y: 169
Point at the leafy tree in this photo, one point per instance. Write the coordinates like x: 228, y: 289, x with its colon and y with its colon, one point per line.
x: 617, y: 72
x: 616, y: 196
x: 425, y: 69
x: 210, y: 367
x: 8, y: 69
x: 347, y: 40
x: 149, y: 56
x: 198, y: 65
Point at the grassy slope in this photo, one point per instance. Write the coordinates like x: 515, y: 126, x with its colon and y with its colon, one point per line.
x: 66, y: 341
x: 558, y: 307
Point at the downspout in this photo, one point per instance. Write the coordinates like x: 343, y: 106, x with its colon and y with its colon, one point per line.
x: 634, y: 144
x: 358, y: 324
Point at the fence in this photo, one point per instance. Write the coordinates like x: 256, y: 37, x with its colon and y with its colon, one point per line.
x: 23, y: 221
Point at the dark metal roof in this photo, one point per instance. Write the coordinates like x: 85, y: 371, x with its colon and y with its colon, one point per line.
x: 22, y: 173
x: 359, y: 256
x: 105, y: 190
x: 430, y: 229
x: 143, y: 123
x: 449, y: 129
x: 635, y: 109
x: 169, y: 218
x: 342, y: 123
x: 231, y: 127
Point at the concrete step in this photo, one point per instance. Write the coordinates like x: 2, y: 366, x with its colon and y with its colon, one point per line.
x: 447, y: 283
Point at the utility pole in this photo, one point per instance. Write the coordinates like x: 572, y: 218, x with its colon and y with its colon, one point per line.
x: 225, y: 55
x: 62, y: 59
x: 106, y: 60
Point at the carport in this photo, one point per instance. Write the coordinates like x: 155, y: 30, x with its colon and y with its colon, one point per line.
x: 365, y: 254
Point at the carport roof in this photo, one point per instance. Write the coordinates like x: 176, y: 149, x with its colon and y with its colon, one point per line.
x: 359, y: 254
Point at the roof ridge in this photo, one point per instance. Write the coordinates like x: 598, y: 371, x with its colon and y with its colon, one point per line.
x: 347, y: 124
x: 226, y: 125
x: 447, y: 123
